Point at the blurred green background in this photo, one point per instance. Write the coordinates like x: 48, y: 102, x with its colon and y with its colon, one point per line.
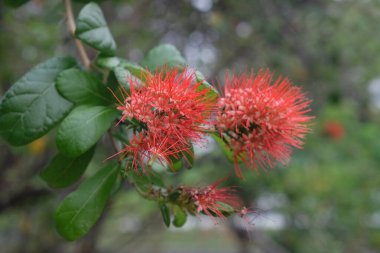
x: 326, y: 200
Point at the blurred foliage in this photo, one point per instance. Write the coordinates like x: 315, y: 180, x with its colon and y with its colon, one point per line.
x: 328, y: 196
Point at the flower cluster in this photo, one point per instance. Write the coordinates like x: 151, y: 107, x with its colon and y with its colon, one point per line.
x: 258, y: 119
x: 261, y: 120
x: 167, y: 114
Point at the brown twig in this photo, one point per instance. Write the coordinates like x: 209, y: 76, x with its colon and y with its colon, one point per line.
x: 71, y: 26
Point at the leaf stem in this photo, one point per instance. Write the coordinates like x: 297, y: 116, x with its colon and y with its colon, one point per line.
x: 71, y: 26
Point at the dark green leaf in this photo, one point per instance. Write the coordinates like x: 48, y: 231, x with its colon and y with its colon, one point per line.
x: 82, y: 88
x: 180, y: 217
x: 82, y: 208
x: 63, y: 171
x: 15, y: 3
x: 32, y: 106
x: 165, y: 213
x: 92, y: 29
x: 83, y: 127
x: 163, y: 55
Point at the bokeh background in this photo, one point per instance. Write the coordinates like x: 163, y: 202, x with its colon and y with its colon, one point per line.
x: 328, y: 197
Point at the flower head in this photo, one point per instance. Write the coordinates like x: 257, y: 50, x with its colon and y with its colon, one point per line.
x: 261, y: 120
x: 214, y: 200
x: 334, y: 129
x: 168, y: 112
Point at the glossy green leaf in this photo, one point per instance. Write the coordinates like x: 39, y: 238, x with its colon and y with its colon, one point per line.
x: 180, y: 217
x: 165, y: 213
x: 163, y: 55
x: 15, y: 3
x: 92, y: 29
x: 83, y: 88
x: 32, y: 106
x: 80, y: 210
x: 83, y: 127
x: 63, y: 171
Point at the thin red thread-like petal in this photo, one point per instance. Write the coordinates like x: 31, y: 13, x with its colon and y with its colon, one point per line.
x: 263, y: 118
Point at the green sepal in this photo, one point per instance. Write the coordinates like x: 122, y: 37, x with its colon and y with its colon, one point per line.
x: 180, y: 217
x: 165, y: 213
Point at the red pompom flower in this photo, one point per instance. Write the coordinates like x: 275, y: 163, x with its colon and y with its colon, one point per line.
x: 168, y: 112
x: 261, y: 120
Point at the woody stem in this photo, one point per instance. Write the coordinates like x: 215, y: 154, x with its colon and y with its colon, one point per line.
x: 71, y: 27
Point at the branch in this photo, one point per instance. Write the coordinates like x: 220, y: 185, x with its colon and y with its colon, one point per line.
x: 71, y: 26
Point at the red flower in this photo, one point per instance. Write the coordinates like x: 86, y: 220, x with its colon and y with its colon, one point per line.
x: 168, y: 112
x: 261, y: 121
x: 214, y: 201
x: 334, y: 129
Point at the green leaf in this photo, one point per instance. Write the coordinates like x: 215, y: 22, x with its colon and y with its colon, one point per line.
x: 83, y: 127
x: 123, y: 76
x: 163, y: 55
x: 92, y: 29
x: 80, y: 210
x: 212, y: 92
x: 107, y: 62
x: 144, y: 181
x: 15, y: 3
x: 165, y: 213
x: 63, y: 171
x: 82, y: 88
x: 124, y: 68
x: 135, y: 69
x: 226, y: 149
x: 180, y: 217
x: 177, y: 164
x: 32, y: 106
